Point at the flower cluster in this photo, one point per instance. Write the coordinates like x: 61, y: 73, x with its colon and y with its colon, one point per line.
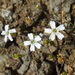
x: 34, y: 41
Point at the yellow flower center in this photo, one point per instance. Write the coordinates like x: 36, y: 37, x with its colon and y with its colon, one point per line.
x: 54, y: 30
x: 32, y: 41
x: 7, y: 32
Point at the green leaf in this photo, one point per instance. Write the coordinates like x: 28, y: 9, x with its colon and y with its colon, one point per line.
x: 52, y: 43
x: 64, y: 73
x: 45, y: 42
x: 51, y: 56
x: 39, y: 7
x: 16, y: 56
x: 12, y: 33
x: 22, y: 44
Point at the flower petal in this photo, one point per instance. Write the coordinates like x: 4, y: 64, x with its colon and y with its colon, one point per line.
x: 61, y: 27
x: 30, y: 36
x: 52, y: 36
x: 38, y: 45
x: 60, y: 35
x: 52, y: 24
x: 6, y: 27
x: 12, y: 31
x: 10, y: 38
x: 3, y: 33
x: 37, y: 38
x: 5, y: 38
x: 26, y: 43
x: 47, y: 30
x: 32, y: 48
x: 41, y: 34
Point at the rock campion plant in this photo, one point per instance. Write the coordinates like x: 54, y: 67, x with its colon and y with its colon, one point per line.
x: 8, y: 33
x: 34, y: 42
x: 55, y: 31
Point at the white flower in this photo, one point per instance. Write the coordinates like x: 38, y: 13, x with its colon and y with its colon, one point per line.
x: 33, y: 42
x: 55, y: 31
x: 7, y: 33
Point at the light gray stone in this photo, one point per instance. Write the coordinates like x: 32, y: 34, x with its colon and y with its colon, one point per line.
x: 25, y: 65
x: 7, y: 72
x: 2, y: 43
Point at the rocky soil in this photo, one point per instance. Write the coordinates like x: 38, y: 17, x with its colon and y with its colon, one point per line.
x: 32, y: 16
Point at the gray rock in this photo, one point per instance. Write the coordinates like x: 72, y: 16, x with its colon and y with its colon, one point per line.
x: 7, y: 72
x: 67, y: 5
x: 33, y: 68
x: 1, y: 26
x: 54, y: 5
x: 25, y: 65
x: 2, y: 43
x: 1, y: 73
x: 17, y: 2
x: 45, y: 68
x: 3, y: 61
x: 3, y: 58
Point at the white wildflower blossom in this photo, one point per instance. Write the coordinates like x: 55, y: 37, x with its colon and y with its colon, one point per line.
x: 55, y: 31
x: 7, y: 33
x: 34, y: 42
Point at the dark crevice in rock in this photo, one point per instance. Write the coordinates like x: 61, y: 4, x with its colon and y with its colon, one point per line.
x: 44, y: 8
x: 39, y: 64
x: 72, y: 11
x: 23, y: 28
x: 13, y: 72
x: 9, y: 43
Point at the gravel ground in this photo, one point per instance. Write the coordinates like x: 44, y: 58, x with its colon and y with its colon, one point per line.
x: 32, y: 16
